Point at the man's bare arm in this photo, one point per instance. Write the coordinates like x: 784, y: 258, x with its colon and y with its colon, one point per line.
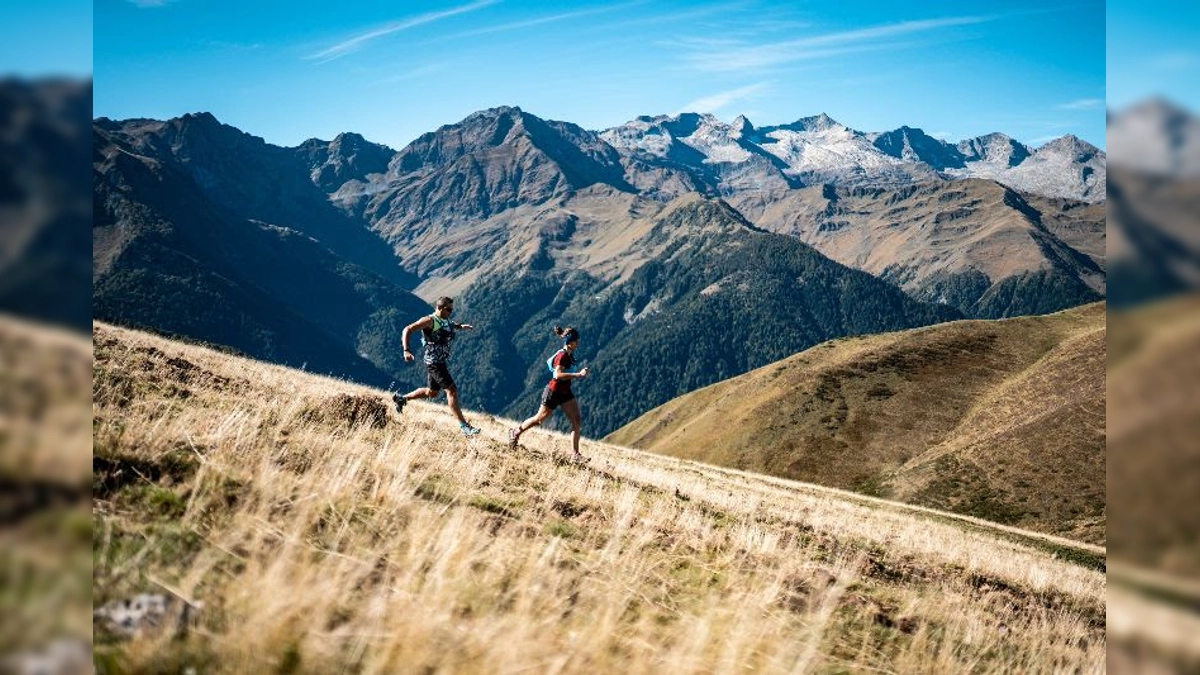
x: 420, y: 324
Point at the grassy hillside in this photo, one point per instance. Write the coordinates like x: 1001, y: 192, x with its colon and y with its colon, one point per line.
x: 317, y: 530
x: 972, y: 244
x: 692, y: 314
x: 1154, y: 416
x: 45, y: 520
x: 1003, y: 420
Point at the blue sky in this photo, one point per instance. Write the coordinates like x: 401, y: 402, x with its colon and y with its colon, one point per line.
x: 288, y: 71
x: 46, y: 38
x: 1153, y: 48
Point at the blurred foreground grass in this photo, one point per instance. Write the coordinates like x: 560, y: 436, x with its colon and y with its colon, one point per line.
x: 1153, y: 388
x: 45, y: 486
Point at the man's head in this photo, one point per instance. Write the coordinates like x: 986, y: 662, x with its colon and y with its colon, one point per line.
x: 444, y: 305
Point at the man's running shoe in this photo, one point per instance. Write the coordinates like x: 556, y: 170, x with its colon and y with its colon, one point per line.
x: 513, y: 438
x: 399, y: 401
x: 468, y: 430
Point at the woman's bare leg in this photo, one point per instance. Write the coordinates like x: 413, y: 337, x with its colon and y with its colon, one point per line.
x: 542, y: 415
x: 571, y: 410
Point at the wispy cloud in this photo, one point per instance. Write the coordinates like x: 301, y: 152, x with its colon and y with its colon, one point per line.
x: 357, y: 42
x: 706, y: 42
x: 754, y: 57
x: 538, y: 21
x: 1175, y: 61
x: 147, y: 4
x: 678, y: 17
x: 756, y: 30
x: 1082, y: 104
x: 766, y: 56
x: 231, y: 46
x: 718, y: 101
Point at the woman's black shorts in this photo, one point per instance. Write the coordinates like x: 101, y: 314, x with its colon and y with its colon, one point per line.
x: 552, y: 399
x: 439, y: 377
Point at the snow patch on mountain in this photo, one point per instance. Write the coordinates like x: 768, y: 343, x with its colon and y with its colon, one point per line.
x: 1156, y: 136
x: 819, y: 145
x: 718, y: 142
x: 1065, y: 167
x: 654, y: 136
x: 643, y: 135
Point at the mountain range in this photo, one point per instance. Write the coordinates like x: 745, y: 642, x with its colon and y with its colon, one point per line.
x: 704, y: 261
x: 1154, y: 196
x: 44, y: 206
x: 818, y: 149
x: 451, y: 199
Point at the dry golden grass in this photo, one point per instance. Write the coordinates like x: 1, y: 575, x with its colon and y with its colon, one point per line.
x: 1003, y: 420
x: 318, y: 545
x: 1154, y: 418
x: 1154, y: 476
x: 43, y: 381
x: 44, y: 475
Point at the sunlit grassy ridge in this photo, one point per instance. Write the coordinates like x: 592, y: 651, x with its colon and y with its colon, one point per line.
x: 1153, y: 416
x: 322, y: 531
x: 1003, y: 420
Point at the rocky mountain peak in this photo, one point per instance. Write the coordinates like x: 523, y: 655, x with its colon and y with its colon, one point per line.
x: 1161, y: 110
x: 994, y: 148
x: 1156, y: 136
x: 200, y: 126
x: 475, y: 133
x: 349, y: 156
x: 491, y: 115
x: 349, y: 139
x: 914, y: 145
x: 201, y: 118
x: 1071, y: 147
x: 194, y: 136
x: 819, y: 122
